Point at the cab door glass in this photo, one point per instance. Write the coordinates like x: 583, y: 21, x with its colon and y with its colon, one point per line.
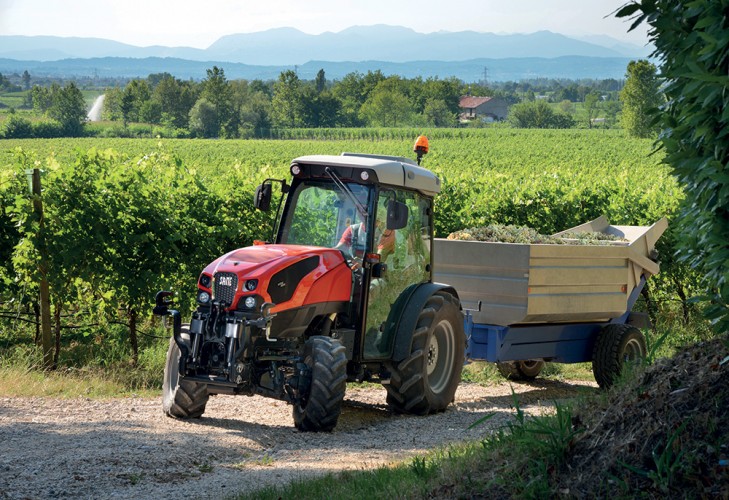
x: 406, y: 252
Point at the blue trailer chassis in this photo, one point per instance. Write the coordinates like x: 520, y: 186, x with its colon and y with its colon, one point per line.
x: 558, y: 342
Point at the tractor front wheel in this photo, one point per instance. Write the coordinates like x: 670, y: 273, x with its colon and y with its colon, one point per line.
x: 320, y: 406
x: 426, y: 381
x: 181, y: 398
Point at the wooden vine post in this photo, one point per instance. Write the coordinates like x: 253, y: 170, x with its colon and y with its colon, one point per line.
x: 45, y: 301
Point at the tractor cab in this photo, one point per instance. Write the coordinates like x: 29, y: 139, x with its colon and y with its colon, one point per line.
x: 377, y: 211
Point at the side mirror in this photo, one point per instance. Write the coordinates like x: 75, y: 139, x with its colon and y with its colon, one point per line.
x: 397, y: 215
x: 262, y: 197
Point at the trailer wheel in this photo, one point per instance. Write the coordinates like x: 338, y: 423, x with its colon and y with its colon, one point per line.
x: 426, y: 381
x: 319, y: 409
x: 181, y: 398
x: 521, y: 370
x: 616, y: 346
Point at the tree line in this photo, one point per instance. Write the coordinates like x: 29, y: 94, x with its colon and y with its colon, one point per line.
x: 218, y: 107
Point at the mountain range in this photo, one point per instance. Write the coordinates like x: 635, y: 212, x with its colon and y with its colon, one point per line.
x: 359, y: 47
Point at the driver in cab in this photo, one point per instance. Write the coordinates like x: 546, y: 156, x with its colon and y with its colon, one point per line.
x: 354, y: 238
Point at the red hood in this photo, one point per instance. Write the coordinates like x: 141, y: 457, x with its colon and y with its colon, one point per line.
x: 320, y: 275
x: 252, y: 261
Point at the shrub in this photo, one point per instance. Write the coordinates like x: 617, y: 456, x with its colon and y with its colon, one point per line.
x: 538, y: 114
x: 18, y: 127
x: 47, y: 130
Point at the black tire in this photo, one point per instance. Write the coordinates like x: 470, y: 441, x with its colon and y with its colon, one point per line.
x: 616, y: 346
x: 521, y: 370
x: 319, y: 409
x: 181, y: 398
x: 426, y: 381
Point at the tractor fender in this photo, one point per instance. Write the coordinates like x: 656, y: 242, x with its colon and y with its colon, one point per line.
x: 408, y: 312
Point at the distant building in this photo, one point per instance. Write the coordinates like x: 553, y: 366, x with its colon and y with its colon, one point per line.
x: 483, y: 108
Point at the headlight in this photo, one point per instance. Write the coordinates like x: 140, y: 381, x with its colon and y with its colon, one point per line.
x: 205, y: 280
x: 250, y: 302
x: 203, y: 297
x: 251, y: 285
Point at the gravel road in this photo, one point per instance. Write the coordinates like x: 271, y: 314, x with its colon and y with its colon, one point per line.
x: 126, y: 448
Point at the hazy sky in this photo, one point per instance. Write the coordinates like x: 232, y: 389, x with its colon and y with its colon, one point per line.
x: 198, y: 23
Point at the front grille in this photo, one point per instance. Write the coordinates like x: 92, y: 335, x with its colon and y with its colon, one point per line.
x: 225, y: 286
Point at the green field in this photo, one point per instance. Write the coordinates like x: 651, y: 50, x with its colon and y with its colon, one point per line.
x: 543, y: 178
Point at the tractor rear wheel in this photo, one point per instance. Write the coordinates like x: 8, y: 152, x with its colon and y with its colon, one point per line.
x: 181, y: 398
x: 426, y: 381
x: 521, y: 370
x: 319, y: 409
x: 615, y: 347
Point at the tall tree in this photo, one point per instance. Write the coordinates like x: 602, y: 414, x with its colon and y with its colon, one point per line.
x: 591, y: 109
x: 692, y: 41
x: 112, y: 110
x: 69, y: 109
x: 320, y: 82
x: 351, y: 93
x: 42, y: 98
x: 436, y: 113
x: 135, y: 94
x: 261, y: 86
x: 216, y: 90
x: 26, y: 80
x: 255, y: 114
x: 448, y: 91
x: 155, y: 79
x: 204, y: 119
x: 319, y: 109
x: 640, y: 98
x: 176, y: 99
x: 286, y: 100
x: 386, y: 106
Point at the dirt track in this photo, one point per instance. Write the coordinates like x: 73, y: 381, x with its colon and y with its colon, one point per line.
x: 126, y: 448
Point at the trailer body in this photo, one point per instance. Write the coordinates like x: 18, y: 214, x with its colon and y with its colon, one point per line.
x: 546, y: 301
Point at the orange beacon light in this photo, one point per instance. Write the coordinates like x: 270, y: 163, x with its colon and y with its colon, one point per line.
x: 421, y: 147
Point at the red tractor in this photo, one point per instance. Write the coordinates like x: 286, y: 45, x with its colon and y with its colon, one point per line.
x: 345, y: 293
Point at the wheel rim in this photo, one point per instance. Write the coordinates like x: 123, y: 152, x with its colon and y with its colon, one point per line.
x: 530, y: 364
x: 633, y: 351
x: 439, y: 356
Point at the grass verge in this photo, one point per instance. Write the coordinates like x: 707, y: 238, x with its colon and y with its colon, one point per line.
x: 71, y: 383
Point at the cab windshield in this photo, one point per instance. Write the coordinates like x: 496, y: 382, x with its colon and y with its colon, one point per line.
x: 320, y: 213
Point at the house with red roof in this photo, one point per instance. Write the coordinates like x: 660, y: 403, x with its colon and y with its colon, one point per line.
x: 483, y: 108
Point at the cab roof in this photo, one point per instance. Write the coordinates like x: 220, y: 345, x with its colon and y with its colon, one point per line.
x: 391, y: 170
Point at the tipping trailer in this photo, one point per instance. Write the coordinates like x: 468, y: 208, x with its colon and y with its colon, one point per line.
x: 529, y: 303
